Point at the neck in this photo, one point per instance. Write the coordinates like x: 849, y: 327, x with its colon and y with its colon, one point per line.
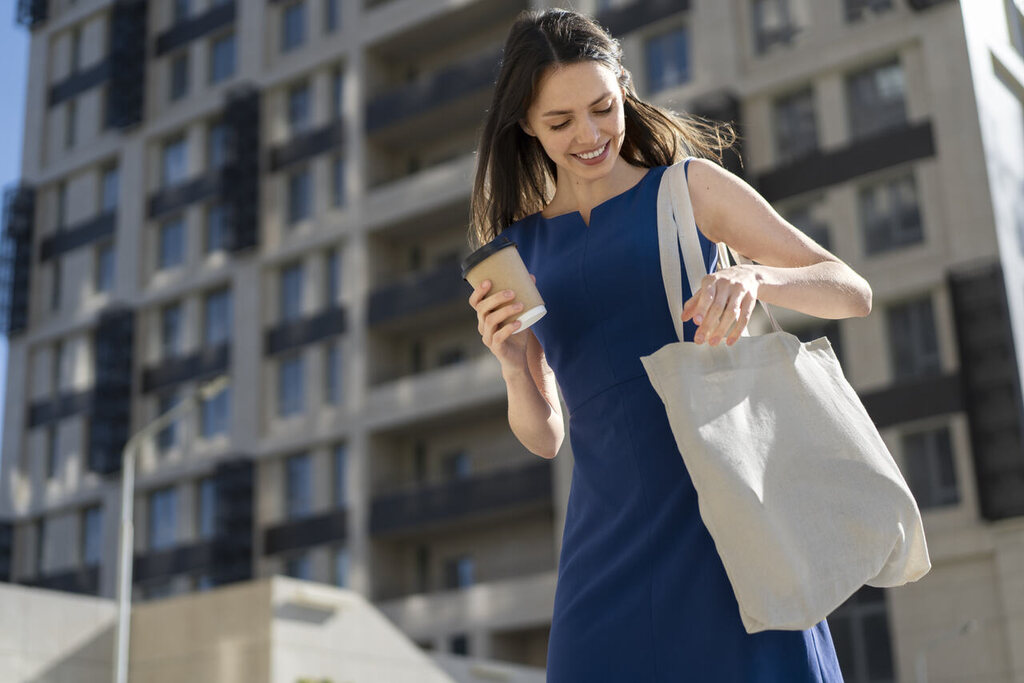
x: 577, y: 193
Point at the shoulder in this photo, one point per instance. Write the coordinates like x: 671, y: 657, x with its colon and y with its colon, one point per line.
x: 713, y: 189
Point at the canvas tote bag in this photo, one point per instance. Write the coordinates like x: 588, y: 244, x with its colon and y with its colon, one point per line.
x: 802, y: 498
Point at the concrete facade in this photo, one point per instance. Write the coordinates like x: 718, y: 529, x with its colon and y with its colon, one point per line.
x: 413, y: 399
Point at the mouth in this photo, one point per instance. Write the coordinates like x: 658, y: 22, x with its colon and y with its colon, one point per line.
x: 593, y: 154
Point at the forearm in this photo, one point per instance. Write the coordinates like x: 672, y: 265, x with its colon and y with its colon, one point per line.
x: 537, y: 426
x: 826, y: 290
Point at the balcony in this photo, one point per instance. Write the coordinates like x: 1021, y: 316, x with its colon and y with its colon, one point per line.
x: 410, y: 195
x: 82, y: 580
x: 421, y: 507
x: 907, y: 142
x: 79, y: 82
x: 435, y: 296
x: 524, y: 597
x: 306, y: 145
x: 195, y: 27
x: 87, y: 232
x: 295, y: 333
x: 181, y: 195
x: 473, y: 383
x: 202, y: 363
x: 437, y: 92
x: 306, y: 532
x: 622, y: 20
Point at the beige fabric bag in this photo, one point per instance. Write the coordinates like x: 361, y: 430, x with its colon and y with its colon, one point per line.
x: 796, y: 487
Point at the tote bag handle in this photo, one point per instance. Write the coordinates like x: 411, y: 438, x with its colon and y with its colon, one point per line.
x: 676, y: 224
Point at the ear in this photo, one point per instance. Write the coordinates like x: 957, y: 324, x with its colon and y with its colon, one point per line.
x: 526, y: 127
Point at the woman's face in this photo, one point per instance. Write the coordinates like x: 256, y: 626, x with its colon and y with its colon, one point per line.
x: 577, y: 111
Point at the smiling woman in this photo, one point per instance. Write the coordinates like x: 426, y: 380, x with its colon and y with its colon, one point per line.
x: 570, y: 161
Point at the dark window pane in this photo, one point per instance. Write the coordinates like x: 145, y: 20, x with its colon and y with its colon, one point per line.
x: 668, y: 60
x: 878, y: 646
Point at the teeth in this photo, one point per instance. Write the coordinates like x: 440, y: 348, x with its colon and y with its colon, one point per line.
x: 594, y: 154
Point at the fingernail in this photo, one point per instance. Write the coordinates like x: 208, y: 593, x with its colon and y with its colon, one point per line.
x: 699, y: 338
x: 486, y: 283
x: 698, y: 319
x: 508, y: 294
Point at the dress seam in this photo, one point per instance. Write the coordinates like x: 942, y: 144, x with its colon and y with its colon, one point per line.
x: 636, y: 468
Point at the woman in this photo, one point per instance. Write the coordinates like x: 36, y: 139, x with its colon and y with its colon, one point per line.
x: 641, y: 594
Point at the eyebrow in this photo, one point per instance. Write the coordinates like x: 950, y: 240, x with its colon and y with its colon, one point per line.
x: 557, y: 113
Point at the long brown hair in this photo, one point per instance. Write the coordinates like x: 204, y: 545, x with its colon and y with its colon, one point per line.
x: 513, y: 172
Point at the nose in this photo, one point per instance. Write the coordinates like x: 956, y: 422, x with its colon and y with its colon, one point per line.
x: 588, y: 131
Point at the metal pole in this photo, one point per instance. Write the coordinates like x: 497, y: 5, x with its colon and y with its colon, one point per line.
x: 125, y: 545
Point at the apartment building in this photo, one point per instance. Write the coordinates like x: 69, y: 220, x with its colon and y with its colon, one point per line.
x: 277, y: 191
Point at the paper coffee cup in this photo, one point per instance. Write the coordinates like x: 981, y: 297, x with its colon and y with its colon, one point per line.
x: 499, y: 262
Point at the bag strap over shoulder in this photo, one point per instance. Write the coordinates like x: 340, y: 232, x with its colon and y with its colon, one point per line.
x: 676, y: 224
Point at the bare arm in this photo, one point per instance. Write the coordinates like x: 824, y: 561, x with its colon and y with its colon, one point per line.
x: 534, y: 412
x: 792, y: 270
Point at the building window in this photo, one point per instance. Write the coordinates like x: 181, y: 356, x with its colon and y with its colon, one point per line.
x: 40, y: 546
x: 857, y: 9
x: 105, y: 267
x: 668, y: 59
x: 293, y: 26
x: 163, y: 518
x: 217, y: 145
x: 217, y: 317
x: 338, y: 93
x: 890, y: 214
x: 217, y: 215
x: 332, y: 15
x: 172, y: 243
x: 290, y: 391
x: 291, y: 292
x: 796, y: 132
x: 181, y: 10
x: 332, y: 371
x: 167, y: 437
x: 342, y: 566
x: 875, y: 99
x: 170, y: 330
x: 1015, y: 22
x: 109, y: 189
x: 333, y: 281
x: 222, y: 58
x: 207, y: 515
x: 457, y: 465
x: 299, y: 567
x: 299, y: 480
x: 299, y: 109
x: 913, y: 343
x: 341, y: 475
x: 459, y: 572
x: 773, y: 24
x: 214, y: 414
x: 173, y: 162
x: 931, y: 473
x: 178, y: 83
x: 860, y: 633
x: 52, y: 452
x: 338, y: 182
x: 459, y: 644
x: 70, y: 124
x: 203, y: 582
x: 76, y: 50
x: 300, y: 196
x: 92, y: 535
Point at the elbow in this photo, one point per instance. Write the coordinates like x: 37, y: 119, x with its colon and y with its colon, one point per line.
x: 865, y: 304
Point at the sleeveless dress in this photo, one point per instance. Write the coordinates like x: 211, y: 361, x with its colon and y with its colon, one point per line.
x: 641, y: 593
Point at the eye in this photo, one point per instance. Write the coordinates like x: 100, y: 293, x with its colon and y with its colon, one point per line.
x: 600, y: 111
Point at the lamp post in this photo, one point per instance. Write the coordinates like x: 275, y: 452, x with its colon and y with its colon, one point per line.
x: 124, y: 556
x: 921, y: 664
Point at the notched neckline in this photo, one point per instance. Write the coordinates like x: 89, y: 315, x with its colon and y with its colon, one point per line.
x: 599, y: 205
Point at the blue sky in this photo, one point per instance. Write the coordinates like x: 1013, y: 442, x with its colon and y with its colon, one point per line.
x: 14, y: 56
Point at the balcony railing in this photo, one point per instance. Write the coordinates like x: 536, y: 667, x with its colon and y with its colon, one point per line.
x: 494, y: 492
x: 432, y: 90
x: 416, y: 293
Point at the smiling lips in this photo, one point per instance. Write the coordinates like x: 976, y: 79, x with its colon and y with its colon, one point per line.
x: 593, y: 154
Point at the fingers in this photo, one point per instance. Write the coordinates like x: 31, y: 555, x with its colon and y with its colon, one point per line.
x: 491, y: 310
x: 746, y: 310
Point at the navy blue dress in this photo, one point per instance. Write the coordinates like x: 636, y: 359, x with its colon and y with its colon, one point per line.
x: 642, y: 594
